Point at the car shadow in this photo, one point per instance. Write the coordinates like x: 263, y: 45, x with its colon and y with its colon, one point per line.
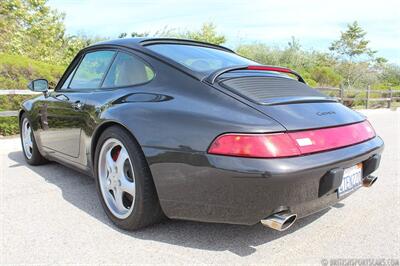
x: 80, y: 191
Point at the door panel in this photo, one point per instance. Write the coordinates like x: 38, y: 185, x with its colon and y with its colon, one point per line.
x: 63, y: 114
x: 61, y: 120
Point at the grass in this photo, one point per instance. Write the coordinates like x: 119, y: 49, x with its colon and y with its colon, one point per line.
x: 12, y: 102
x: 16, y: 71
x: 9, y: 126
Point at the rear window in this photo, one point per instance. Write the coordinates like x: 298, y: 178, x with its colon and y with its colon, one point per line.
x: 198, y: 58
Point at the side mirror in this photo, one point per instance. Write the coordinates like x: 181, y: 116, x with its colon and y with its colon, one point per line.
x: 39, y: 85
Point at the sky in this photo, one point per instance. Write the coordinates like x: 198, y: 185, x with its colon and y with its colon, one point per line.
x: 315, y: 23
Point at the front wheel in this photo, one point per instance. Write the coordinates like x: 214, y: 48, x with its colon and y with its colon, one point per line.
x: 29, y: 146
x: 124, y: 182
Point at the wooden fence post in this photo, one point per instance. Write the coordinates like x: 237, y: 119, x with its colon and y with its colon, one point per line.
x: 367, y: 100
x: 390, y: 98
x: 341, y: 93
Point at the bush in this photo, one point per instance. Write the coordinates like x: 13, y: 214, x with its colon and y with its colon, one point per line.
x: 12, y: 102
x: 9, y: 126
x: 16, y: 71
x: 326, y: 76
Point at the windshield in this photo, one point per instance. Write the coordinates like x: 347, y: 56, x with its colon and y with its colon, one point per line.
x: 198, y: 58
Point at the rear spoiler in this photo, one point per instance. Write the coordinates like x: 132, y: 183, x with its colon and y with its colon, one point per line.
x: 214, y: 75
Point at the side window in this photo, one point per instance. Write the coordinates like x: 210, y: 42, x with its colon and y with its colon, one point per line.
x: 68, y: 80
x: 127, y: 70
x: 91, y: 70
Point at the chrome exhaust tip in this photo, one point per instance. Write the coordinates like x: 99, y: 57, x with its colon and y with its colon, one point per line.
x: 280, y: 221
x: 369, y: 180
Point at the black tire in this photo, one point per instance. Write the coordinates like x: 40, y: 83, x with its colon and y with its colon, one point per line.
x: 147, y: 209
x: 36, y: 158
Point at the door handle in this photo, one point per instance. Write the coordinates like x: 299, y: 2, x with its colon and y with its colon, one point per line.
x: 77, y: 105
x: 61, y: 97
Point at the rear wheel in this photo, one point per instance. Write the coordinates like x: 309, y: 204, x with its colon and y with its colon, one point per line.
x: 124, y: 182
x: 29, y: 146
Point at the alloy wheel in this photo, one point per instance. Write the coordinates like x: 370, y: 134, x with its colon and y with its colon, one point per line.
x: 27, y: 141
x: 116, y: 178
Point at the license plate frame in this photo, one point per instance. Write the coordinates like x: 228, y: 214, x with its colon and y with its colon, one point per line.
x: 351, y: 181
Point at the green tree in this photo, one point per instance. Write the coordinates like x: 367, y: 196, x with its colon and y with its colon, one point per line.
x: 390, y: 76
x: 326, y: 76
x: 349, y: 49
x: 352, y: 43
x: 122, y: 35
x: 73, y: 44
x: 207, y: 33
x: 140, y: 34
x: 258, y: 52
x: 294, y: 44
x: 134, y: 34
x: 31, y: 28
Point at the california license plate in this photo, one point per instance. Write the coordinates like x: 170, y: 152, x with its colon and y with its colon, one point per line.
x: 352, y: 179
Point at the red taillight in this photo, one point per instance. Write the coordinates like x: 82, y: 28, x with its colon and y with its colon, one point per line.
x: 311, y: 141
x: 255, y: 145
x: 292, y: 143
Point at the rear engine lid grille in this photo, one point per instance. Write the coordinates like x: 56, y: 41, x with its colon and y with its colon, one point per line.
x: 273, y: 90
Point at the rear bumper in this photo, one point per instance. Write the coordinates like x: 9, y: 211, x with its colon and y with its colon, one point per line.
x: 236, y: 190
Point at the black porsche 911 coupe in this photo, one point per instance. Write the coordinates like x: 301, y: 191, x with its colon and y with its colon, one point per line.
x: 191, y: 130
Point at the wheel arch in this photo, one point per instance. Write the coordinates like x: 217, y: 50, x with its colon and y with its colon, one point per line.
x: 25, y: 107
x: 97, y: 133
x: 20, y: 113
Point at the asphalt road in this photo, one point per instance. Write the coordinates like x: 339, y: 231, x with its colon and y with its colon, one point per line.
x: 51, y: 214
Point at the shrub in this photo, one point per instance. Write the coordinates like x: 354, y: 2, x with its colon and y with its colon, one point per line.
x: 12, y: 102
x: 326, y: 76
x: 9, y: 126
x: 16, y: 71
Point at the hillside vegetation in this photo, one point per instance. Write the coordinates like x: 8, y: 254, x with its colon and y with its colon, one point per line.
x: 16, y: 71
x: 34, y: 44
x: 33, y: 34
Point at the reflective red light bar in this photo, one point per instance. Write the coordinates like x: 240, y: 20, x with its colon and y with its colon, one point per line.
x: 291, y: 144
x: 311, y: 141
x: 270, y: 68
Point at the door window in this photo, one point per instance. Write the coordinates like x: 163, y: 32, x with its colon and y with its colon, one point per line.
x: 68, y: 80
x: 91, y: 70
x: 127, y: 70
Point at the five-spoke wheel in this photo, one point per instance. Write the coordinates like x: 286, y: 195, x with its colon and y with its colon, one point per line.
x: 29, y: 147
x: 26, y: 135
x: 124, y: 182
x: 116, y: 177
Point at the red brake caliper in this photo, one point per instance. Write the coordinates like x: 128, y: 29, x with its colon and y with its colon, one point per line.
x: 116, y: 153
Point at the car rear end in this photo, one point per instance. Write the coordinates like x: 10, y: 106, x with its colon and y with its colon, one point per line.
x: 317, y: 152
x: 326, y: 152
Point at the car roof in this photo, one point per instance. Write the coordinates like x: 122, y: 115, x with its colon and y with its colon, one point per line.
x: 140, y: 42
